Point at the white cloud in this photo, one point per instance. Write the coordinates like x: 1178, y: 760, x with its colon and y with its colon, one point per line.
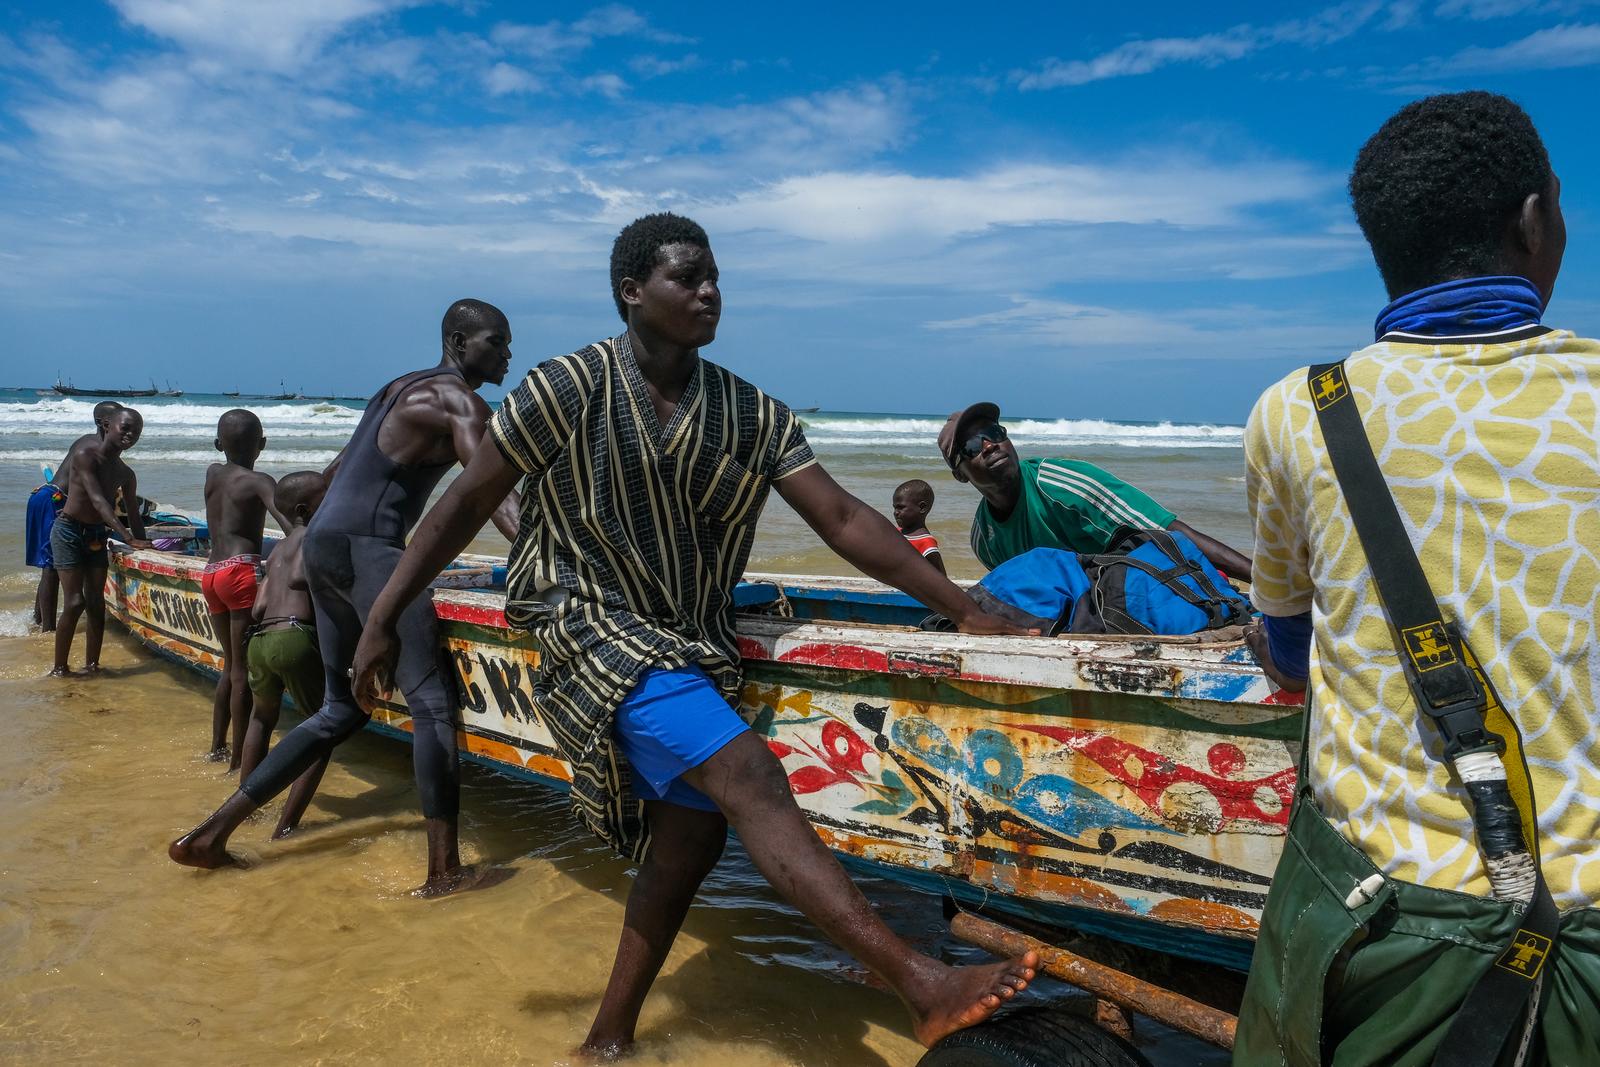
x: 656, y: 67
x: 855, y: 207
x: 1549, y: 49
x: 607, y: 84
x: 1246, y: 330
x: 503, y: 79
x: 551, y: 39
x: 279, y: 35
x: 499, y: 198
x: 1147, y: 54
x: 1479, y: 10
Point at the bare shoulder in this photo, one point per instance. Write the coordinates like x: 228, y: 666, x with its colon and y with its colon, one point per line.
x: 444, y: 397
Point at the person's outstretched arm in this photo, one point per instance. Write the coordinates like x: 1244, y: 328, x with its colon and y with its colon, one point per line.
x: 1229, y: 561
x: 86, y: 475
x: 873, y: 546
x: 267, y: 492
x: 130, y: 493
x: 447, y: 528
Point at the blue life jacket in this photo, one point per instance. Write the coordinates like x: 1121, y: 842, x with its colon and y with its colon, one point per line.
x: 1155, y: 582
x: 1151, y: 582
x: 1037, y: 590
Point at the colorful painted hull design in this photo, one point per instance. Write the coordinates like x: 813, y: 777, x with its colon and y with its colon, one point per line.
x: 1137, y: 789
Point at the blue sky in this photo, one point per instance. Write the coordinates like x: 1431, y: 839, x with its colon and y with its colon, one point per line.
x: 1124, y: 211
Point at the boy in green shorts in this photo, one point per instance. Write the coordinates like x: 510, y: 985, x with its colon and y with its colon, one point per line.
x: 282, y: 652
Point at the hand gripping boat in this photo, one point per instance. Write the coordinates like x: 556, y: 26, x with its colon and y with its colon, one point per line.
x: 1136, y: 789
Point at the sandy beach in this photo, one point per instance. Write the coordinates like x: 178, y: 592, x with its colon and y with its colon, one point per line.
x: 316, y: 953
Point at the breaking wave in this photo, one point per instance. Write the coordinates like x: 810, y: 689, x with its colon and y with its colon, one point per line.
x: 68, y: 417
x: 318, y: 456
x: 910, y: 429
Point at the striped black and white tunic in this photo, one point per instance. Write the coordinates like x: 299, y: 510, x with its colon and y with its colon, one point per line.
x: 632, y: 538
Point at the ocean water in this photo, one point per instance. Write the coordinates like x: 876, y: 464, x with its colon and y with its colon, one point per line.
x: 1194, y: 469
x: 110, y: 953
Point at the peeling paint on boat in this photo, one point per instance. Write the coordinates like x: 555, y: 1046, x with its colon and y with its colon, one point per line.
x: 1135, y: 788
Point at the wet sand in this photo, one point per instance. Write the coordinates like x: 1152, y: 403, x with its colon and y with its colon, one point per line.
x: 316, y: 954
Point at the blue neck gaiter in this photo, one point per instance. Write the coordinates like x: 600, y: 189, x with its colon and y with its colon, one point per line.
x: 1464, y: 307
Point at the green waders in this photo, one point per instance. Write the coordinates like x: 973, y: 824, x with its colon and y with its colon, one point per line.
x: 1347, y: 981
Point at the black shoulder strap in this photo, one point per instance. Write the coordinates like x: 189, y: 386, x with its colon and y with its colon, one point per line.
x: 1445, y: 686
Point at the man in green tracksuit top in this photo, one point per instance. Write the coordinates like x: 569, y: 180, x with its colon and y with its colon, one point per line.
x: 1485, y: 424
x: 1052, y: 503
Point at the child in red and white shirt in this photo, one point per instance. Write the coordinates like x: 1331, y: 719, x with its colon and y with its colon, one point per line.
x: 912, y: 502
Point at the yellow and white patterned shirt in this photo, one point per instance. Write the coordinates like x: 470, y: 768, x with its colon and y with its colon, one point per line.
x: 1491, y: 446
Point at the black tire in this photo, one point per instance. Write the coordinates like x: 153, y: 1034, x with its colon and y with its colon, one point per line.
x: 1034, y: 1037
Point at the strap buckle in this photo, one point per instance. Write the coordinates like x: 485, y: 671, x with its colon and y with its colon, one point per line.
x: 1463, y: 729
x: 1457, y: 709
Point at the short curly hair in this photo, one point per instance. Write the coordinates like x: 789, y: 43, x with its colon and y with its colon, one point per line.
x: 638, y: 248
x: 1435, y: 186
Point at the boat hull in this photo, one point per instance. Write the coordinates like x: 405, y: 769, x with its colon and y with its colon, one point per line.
x: 1135, y: 790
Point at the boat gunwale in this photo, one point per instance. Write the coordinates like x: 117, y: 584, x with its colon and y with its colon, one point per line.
x: 1149, y: 666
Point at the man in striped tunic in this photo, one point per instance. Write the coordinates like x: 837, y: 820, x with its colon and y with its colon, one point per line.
x: 644, y: 470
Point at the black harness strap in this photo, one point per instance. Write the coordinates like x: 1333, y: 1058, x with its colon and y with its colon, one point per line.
x: 1219, y: 610
x: 1451, y: 693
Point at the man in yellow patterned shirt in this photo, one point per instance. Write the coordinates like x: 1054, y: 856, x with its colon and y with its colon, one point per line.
x: 1485, y: 425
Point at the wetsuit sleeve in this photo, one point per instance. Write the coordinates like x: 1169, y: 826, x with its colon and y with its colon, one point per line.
x: 1281, y: 567
x: 1093, y: 503
x: 531, y: 426
x: 794, y: 451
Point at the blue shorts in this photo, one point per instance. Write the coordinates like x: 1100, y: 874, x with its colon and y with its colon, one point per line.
x: 43, y: 507
x: 671, y: 722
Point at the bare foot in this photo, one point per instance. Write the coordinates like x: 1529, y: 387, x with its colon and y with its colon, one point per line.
x: 609, y: 1052
x: 61, y: 672
x: 283, y: 831
x: 91, y: 668
x: 461, y: 880
x: 217, y: 755
x: 192, y: 851
x: 966, y: 996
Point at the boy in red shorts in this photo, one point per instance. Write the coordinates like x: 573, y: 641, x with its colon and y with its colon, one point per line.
x: 238, y: 498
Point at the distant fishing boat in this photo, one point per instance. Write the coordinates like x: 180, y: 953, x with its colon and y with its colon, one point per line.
x: 283, y: 394
x: 63, y: 389
x: 234, y: 394
x: 170, y: 391
x: 806, y: 411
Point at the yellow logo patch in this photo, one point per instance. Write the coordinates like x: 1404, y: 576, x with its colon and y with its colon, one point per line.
x: 1428, y: 646
x: 1328, y: 388
x: 1525, y: 955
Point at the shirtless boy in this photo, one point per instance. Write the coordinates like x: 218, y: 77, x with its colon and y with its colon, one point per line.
x: 78, y: 538
x: 912, y: 502
x: 238, y: 498
x: 43, y: 507
x: 282, y: 654
x: 415, y: 429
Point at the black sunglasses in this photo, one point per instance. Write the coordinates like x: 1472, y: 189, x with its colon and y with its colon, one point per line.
x: 973, y: 445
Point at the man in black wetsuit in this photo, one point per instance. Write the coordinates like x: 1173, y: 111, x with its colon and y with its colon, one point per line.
x: 415, y: 429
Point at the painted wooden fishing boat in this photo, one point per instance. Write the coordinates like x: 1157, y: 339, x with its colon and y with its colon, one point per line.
x: 1136, y: 789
